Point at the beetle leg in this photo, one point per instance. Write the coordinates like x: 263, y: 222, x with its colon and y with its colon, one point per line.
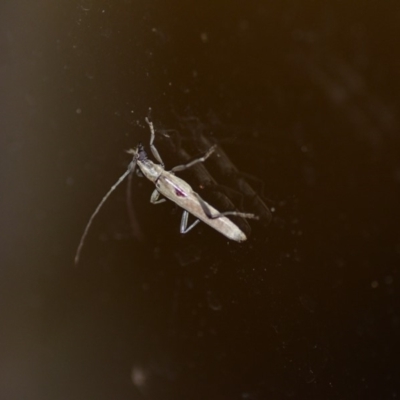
x: 184, y: 221
x: 155, y: 197
x: 193, y: 162
x: 207, y: 211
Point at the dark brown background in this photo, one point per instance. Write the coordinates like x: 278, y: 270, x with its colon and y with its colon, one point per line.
x: 303, y: 95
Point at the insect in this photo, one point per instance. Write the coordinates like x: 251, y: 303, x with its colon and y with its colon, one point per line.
x: 175, y: 189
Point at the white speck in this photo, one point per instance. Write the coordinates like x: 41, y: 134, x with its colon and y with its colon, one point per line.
x: 79, y: 111
x: 139, y: 377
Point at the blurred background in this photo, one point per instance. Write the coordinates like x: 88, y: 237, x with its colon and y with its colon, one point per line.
x: 304, y: 97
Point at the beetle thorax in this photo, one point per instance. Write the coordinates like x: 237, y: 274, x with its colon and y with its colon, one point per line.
x: 149, y: 169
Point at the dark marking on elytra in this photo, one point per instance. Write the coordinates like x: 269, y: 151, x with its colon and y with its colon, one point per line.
x: 180, y: 193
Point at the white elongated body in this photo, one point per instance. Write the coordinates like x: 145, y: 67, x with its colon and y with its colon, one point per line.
x: 182, y: 194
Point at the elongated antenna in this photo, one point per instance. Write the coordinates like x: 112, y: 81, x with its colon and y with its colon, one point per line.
x: 130, y: 169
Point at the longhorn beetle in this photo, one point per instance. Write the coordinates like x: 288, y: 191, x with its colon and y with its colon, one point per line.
x: 175, y: 189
